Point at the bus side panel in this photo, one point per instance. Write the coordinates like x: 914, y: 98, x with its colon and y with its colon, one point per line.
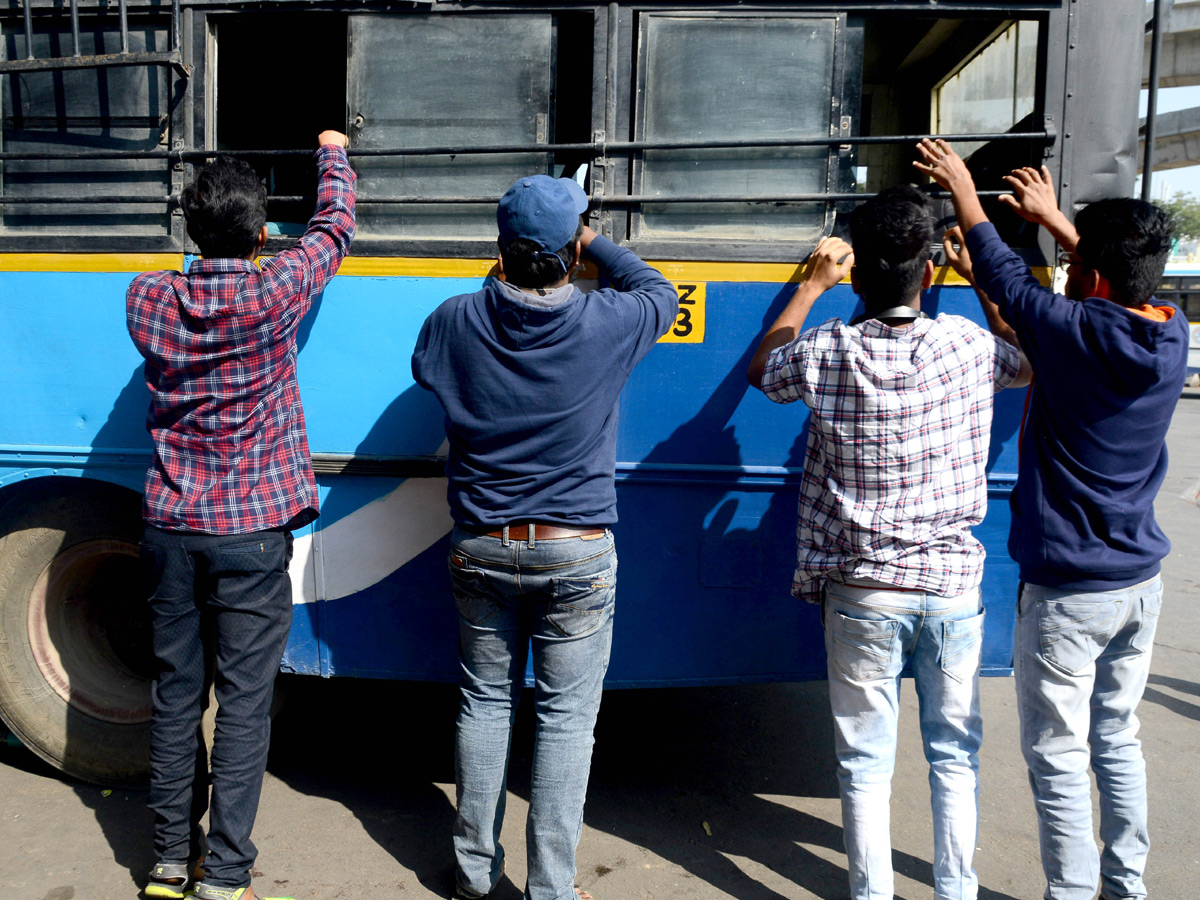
x: 71, y: 376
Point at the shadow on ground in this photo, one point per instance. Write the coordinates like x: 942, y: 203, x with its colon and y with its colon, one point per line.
x: 696, y: 776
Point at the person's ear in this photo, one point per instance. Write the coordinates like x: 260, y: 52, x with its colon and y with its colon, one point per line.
x: 499, y: 270
x: 262, y: 240
x: 927, y: 281
x: 1096, y: 285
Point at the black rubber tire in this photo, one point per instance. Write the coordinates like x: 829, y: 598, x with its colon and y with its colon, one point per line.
x: 75, y: 656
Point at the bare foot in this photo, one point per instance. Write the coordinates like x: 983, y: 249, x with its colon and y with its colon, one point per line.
x: 583, y: 895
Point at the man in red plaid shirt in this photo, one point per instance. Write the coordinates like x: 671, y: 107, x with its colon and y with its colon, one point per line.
x: 893, y: 482
x: 231, y: 477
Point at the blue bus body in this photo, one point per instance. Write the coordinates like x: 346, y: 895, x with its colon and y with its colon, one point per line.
x: 719, y: 140
x: 707, y: 472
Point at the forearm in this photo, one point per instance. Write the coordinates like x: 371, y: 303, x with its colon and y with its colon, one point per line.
x: 995, y: 321
x: 967, y: 208
x: 317, y: 255
x: 783, y: 330
x: 334, y: 215
x: 1061, y: 230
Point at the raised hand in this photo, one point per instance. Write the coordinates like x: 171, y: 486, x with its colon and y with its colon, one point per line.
x: 829, y: 263
x: 1033, y: 194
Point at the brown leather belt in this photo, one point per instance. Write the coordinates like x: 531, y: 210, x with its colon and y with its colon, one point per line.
x: 540, y: 531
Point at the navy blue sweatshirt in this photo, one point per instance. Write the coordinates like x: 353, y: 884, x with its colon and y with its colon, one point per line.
x: 1094, y: 452
x: 531, y: 393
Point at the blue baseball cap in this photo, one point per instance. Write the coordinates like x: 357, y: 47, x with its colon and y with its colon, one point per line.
x: 541, y: 209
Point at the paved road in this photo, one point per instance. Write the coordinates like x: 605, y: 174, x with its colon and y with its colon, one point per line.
x: 696, y: 793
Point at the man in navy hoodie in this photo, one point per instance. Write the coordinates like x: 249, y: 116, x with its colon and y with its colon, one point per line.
x: 529, y: 370
x: 1109, y: 366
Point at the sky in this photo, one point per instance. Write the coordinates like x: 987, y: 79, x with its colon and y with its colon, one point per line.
x: 1173, y: 181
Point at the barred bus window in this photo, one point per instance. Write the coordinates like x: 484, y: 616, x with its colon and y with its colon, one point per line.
x: 725, y: 77
x: 463, y: 81
x: 123, y: 108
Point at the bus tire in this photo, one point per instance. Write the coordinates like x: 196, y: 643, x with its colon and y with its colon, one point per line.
x: 75, y: 656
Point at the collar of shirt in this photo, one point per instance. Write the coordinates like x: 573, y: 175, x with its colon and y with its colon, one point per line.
x: 221, y: 266
x: 875, y: 328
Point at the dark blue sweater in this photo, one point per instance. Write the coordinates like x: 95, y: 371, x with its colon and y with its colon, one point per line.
x: 530, y: 394
x: 1094, y: 452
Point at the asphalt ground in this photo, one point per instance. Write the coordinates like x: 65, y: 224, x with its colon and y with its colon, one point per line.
x: 695, y: 793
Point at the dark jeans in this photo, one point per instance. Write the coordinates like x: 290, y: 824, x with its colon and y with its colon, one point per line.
x: 225, y: 601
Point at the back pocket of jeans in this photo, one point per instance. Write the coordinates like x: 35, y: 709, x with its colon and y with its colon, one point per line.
x: 472, y: 595
x: 1073, y: 634
x: 579, y: 603
x: 1151, y: 607
x: 862, y: 649
x: 962, y: 643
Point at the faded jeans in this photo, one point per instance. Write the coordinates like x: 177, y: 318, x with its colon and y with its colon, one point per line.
x: 559, y: 595
x: 1082, y: 660
x: 870, y: 636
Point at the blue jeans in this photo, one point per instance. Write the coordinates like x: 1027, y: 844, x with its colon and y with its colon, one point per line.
x: 558, y: 595
x: 870, y: 636
x: 225, y: 598
x: 1081, y: 665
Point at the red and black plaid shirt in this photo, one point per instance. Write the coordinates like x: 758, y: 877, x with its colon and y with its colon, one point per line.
x: 230, y: 450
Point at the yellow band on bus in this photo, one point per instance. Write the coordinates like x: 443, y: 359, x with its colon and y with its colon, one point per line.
x: 441, y: 267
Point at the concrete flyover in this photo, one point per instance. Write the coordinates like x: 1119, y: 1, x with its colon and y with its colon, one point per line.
x: 1177, y: 143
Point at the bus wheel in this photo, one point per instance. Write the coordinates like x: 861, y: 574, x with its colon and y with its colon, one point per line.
x: 75, y: 653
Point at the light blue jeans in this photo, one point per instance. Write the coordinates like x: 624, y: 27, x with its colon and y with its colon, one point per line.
x: 558, y: 595
x: 1081, y: 664
x: 870, y: 636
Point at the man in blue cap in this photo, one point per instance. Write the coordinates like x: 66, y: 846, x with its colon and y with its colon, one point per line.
x: 529, y: 370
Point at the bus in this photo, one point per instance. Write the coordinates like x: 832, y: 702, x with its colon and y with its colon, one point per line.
x: 718, y: 139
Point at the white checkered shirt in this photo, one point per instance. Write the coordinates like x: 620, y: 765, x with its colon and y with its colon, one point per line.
x: 894, y: 471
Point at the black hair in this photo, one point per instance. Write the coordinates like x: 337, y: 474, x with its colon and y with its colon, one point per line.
x: 891, y: 234
x: 225, y: 208
x: 1128, y: 242
x: 527, y: 265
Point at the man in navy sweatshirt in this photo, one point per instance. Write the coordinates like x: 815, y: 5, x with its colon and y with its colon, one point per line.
x: 529, y: 370
x: 1109, y: 366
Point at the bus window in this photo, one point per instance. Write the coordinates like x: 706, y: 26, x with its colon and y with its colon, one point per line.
x: 256, y: 55
x: 423, y: 81
x: 734, y: 77
x: 994, y: 88
x: 954, y: 76
x: 122, y: 108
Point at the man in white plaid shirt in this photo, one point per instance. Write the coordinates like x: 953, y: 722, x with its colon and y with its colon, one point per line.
x: 901, y: 412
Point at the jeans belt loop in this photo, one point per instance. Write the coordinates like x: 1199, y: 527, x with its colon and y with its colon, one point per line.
x: 504, y: 535
x: 532, y: 535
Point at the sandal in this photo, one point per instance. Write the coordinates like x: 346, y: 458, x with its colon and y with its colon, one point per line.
x: 173, y: 881
x: 203, y: 891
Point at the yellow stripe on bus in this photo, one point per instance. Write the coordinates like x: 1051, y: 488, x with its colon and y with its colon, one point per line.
x: 419, y: 267
x: 414, y: 267
x: 89, y: 262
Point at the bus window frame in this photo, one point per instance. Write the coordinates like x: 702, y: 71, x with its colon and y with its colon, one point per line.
x: 192, y: 124
x: 844, y: 94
